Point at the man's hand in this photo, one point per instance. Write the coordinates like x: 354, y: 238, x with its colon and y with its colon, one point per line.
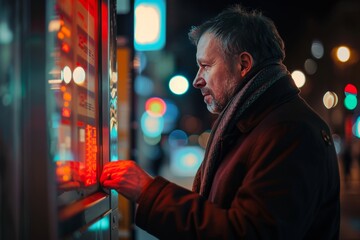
x: 126, y: 177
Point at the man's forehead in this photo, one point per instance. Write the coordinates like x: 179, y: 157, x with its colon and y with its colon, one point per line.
x: 207, y: 43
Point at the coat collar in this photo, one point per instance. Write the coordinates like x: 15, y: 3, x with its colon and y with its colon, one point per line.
x: 282, y: 91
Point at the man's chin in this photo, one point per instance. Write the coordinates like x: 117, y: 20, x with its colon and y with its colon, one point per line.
x: 212, y: 109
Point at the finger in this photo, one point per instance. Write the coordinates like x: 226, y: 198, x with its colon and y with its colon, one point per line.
x: 112, y: 171
x: 105, y: 176
x: 110, y: 165
x: 112, y: 175
x: 120, y: 163
x: 111, y: 184
x: 115, y: 167
x: 108, y: 169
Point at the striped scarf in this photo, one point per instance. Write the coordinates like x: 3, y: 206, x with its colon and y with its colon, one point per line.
x: 255, y: 83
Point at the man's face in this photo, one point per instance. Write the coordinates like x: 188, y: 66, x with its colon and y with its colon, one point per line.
x: 214, y: 77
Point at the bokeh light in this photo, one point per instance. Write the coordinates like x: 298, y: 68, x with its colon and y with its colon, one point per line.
x: 155, y: 106
x: 143, y: 86
x: 66, y: 74
x: 299, y: 78
x: 343, y: 53
x: 203, y: 138
x: 193, y: 139
x: 178, y: 85
x: 356, y: 127
x: 79, y: 75
x: 171, y: 115
x: 147, y: 31
x: 310, y: 66
x: 149, y: 24
x: 330, y: 99
x: 151, y: 126
x: 6, y: 35
x: 177, y: 138
x: 152, y: 140
x: 185, y: 161
x: 317, y: 49
x: 350, y: 89
x: 350, y: 101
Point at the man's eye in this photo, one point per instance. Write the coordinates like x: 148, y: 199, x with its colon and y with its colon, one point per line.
x: 205, y: 66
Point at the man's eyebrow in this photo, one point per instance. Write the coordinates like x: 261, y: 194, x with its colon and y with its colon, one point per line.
x: 200, y: 59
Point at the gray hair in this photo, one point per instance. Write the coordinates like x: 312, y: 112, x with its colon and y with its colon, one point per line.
x: 239, y: 30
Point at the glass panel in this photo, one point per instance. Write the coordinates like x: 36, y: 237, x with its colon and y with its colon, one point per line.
x: 74, y: 84
x: 98, y: 230
x: 10, y: 117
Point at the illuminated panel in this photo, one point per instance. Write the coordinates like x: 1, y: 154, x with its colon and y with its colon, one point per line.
x: 75, y: 112
x: 90, y: 155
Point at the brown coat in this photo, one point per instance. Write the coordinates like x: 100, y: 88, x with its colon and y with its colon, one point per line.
x: 278, y: 179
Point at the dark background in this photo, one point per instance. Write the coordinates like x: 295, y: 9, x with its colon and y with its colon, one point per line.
x: 333, y: 22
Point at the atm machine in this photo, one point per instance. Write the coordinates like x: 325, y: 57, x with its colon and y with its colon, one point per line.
x: 58, y: 123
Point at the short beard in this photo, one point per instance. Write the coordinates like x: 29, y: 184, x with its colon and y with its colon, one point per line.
x: 215, y: 107
x: 218, y: 106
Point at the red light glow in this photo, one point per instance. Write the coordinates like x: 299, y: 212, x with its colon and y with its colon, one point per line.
x: 60, y: 35
x: 90, y: 155
x: 350, y: 89
x: 66, y: 112
x: 66, y: 31
x: 65, y: 47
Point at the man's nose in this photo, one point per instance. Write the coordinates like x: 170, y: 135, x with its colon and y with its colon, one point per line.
x: 199, y: 82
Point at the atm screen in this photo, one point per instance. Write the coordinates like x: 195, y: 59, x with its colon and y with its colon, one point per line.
x: 75, y: 108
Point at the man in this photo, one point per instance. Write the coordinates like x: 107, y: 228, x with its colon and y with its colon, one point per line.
x: 270, y: 169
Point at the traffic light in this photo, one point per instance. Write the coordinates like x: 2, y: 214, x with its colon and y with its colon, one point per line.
x: 350, y: 101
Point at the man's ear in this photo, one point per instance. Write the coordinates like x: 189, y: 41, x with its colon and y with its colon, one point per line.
x: 245, y: 63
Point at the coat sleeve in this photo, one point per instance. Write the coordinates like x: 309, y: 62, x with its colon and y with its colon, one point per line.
x: 286, y: 180
x: 169, y: 211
